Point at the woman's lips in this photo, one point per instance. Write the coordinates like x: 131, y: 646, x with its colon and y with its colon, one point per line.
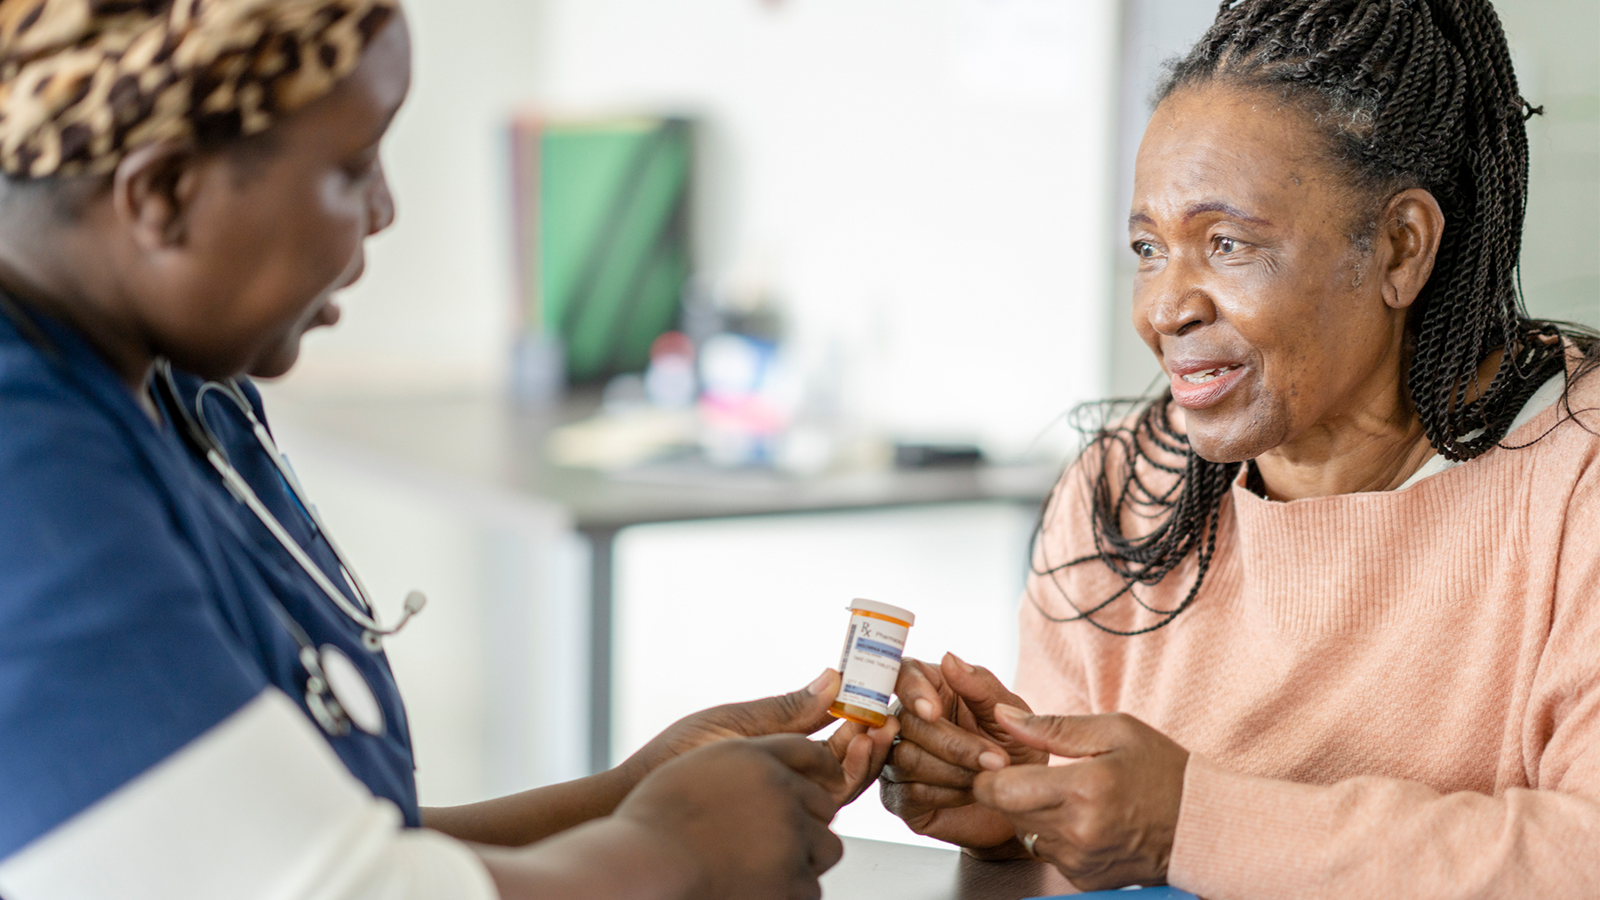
x: 1197, y: 385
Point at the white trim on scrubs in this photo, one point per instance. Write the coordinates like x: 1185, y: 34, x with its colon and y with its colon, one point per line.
x: 257, y: 807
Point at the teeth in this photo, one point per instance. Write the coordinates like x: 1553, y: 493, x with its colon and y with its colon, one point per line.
x: 1208, y: 375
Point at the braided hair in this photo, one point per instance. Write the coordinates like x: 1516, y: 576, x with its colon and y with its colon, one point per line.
x: 1408, y: 94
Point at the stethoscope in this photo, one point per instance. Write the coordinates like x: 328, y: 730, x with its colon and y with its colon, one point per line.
x: 336, y: 693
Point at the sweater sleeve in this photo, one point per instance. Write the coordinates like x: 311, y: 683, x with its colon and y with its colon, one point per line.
x: 1241, y: 838
x: 1245, y: 837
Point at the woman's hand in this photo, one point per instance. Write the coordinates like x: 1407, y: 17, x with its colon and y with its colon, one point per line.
x: 1106, y: 820
x: 948, y: 735
x: 751, y: 816
x: 861, y: 751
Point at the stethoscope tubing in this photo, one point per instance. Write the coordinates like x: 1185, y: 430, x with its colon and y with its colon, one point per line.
x: 324, y: 701
x: 290, y: 478
x: 373, y: 630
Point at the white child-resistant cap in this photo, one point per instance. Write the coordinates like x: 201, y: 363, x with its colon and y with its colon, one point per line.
x: 884, y: 609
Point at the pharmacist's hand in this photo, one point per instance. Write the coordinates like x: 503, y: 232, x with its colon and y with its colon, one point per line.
x: 950, y: 734
x: 750, y: 815
x: 861, y: 752
x: 1105, y: 820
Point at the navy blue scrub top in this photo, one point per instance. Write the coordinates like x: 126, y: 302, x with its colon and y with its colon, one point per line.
x: 135, y: 609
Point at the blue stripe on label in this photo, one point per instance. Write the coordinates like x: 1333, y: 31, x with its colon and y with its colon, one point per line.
x: 888, y: 650
x: 869, y: 694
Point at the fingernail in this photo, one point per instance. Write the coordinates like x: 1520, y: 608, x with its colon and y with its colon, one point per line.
x: 992, y: 761
x: 965, y: 666
x: 926, y: 710
x: 1005, y: 710
x: 821, y: 684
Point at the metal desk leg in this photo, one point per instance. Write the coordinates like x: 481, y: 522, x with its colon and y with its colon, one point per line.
x: 602, y: 543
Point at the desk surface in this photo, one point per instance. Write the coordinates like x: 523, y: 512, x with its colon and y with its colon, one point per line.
x: 488, y: 442
x: 875, y: 870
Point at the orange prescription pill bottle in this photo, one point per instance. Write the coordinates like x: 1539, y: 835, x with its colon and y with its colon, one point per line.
x: 871, y: 661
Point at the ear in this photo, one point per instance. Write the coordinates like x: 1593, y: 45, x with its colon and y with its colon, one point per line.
x: 1412, y: 226
x: 153, y: 192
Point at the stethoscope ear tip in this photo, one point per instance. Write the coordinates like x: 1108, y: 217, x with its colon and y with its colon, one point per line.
x: 415, y: 601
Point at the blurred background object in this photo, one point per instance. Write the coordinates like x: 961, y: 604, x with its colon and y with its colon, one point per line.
x: 602, y: 243
x: 702, y: 303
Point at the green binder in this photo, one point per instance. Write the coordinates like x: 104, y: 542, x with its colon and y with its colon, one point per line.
x: 603, y: 215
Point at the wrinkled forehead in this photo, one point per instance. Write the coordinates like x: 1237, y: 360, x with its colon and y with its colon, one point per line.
x: 1215, y: 144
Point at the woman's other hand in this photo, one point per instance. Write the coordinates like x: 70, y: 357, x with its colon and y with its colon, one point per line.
x: 750, y: 816
x: 949, y: 733
x: 1107, y: 819
x: 861, y: 751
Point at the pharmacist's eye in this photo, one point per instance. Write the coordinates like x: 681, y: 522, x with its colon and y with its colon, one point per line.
x: 1144, y: 250
x: 1225, y: 244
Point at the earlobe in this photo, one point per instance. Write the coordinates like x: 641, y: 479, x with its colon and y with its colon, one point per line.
x: 1413, y: 227
x: 152, y: 192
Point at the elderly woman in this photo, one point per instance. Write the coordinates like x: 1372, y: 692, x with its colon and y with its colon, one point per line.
x: 194, y: 699
x: 1323, y: 620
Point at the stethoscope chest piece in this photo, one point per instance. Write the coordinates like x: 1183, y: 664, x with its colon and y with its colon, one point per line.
x: 339, y: 696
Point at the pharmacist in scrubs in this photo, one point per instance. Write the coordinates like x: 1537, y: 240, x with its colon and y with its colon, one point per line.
x: 194, y: 697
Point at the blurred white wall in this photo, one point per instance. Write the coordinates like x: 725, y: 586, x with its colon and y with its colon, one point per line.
x: 923, y: 182
x: 1556, y: 48
x: 434, y: 311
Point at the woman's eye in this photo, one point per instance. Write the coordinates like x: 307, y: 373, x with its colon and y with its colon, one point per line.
x: 1226, y: 244
x: 1144, y: 250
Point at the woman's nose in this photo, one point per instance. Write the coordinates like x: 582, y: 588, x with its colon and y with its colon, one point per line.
x: 380, y: 203
x: 1174, y: 304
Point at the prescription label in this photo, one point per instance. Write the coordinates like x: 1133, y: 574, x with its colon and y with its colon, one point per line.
x: 870, y: 663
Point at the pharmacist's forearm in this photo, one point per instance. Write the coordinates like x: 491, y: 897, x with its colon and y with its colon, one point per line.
x: 609, y: 859
x: 530, y: 816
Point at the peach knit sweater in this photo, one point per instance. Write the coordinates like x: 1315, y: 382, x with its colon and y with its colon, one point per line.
x: 1384, y: 694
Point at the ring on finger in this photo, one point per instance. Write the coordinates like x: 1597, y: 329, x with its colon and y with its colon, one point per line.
x: 1028, y: 840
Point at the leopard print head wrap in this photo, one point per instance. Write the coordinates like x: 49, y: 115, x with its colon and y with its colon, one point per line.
x: 83, y: 82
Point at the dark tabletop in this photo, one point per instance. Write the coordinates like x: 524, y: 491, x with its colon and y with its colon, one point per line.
x: 487, y: 441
